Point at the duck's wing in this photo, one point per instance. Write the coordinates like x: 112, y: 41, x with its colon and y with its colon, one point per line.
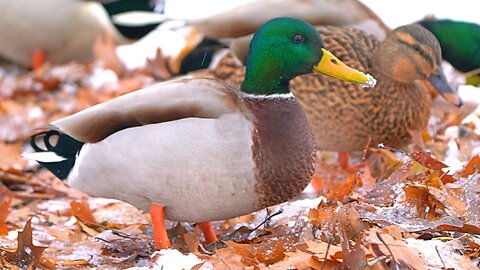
x: 168, y: 101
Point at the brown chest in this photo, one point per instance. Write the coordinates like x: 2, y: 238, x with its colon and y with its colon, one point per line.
x: 283, y: 148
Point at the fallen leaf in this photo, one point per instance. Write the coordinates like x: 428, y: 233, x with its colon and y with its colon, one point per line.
x: 27, y: 255
x: 325, y: 218
x: 354, y: 255
x: 6, y: 199
x: 417, y: 196
x: 417, y: 138
x: 193, y: 240
x: 298, y: 260
x: 390, y: 161
x: 473, y: 166
x: 104, y: 50
x: 82, y: 211
x: 394, y: 231
x: 158, y: 66
x: 435, y: 165
x: 11, y: 154
x: 268, y: 252
x: 227, y: 259
x: 401, y: 255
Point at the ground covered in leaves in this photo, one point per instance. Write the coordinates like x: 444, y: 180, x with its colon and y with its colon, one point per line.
x: 394, y: 210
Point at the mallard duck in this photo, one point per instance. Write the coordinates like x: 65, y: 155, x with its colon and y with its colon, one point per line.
x: 460, y: 42
x: 58, y: 31
x: 198, y: 150
x: 246, y: 19
x: 344, y: 116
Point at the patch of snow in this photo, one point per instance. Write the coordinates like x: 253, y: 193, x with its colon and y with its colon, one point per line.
x: 71, y: 222
x: 101, y: 77
x: 172, y: 259
x: 12, y: 235
x: 54, y: 206
x: 35, y: 113
x: 436, y: 251
x: 207, y: 266
x: 83, y: 252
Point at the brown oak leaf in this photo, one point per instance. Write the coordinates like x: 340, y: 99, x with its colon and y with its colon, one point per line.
x: 27, y: 255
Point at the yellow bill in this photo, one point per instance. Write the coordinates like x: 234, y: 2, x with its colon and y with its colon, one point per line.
x: 331, y: 66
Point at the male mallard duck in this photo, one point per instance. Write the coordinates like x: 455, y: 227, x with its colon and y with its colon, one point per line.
x: 166, y: 147
x: 460, y: 43
x: 344, y: 116
x: 57, y: 31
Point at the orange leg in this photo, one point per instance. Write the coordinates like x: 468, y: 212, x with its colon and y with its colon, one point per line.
x: 159, y: 230
x: 208, y: 232
x: 38, y: 59
x: 344, y: 160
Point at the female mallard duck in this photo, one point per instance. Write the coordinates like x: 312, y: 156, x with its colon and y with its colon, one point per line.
x: 344, y: 116
x: 58, y: 31
x: 167, y: 146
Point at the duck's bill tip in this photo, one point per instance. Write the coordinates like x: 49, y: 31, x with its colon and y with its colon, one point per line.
x: 333, y: 67
x: 440, y: 83
x: 453, y: 98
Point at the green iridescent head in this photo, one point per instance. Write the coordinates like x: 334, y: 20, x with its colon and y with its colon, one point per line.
x: 284, y: 48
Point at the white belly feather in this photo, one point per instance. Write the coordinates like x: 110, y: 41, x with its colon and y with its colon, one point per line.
x: 199, y: 169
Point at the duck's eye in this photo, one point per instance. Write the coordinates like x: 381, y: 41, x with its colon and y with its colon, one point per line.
x: 298, y: 38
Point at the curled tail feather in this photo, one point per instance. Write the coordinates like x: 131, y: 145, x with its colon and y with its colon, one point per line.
x: 56, y: 151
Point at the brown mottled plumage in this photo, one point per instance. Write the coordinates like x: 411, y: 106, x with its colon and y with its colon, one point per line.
x: 343, y: 115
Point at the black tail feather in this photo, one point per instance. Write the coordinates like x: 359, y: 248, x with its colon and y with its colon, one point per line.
x: 64, y: 146
x: 201, y: 56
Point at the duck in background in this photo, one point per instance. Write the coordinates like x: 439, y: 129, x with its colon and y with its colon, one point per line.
x: 256, y: 150
x: 59, y: 31
x: 343, y: 116
x: 216, y: 31
x: 246, y: 19
x: 460, y: 43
